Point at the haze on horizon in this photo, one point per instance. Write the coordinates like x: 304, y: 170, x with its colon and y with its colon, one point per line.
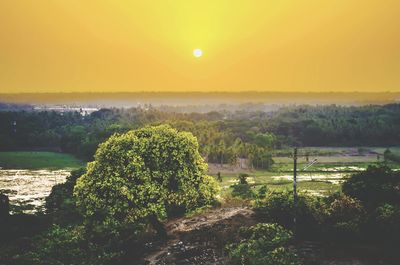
x: 110, y: 46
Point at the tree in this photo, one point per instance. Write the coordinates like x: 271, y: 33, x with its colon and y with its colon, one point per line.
x: 375, y: 186
x: 148, y: 173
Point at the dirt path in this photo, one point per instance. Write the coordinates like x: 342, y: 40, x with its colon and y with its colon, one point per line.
x: 200, y: 239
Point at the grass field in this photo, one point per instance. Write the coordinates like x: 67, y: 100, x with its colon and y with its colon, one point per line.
x: 38, y: 160
x: 337, y: 151
x: 334, y: 164
x: 321, y: 184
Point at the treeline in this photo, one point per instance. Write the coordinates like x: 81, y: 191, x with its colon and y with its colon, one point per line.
x: 338, y: 126
x: 224, y: 137
x: 219, y: 142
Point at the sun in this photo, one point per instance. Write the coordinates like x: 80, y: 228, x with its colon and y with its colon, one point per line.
x: 197, y: 53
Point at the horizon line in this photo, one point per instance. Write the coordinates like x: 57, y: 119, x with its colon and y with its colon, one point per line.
x: 202, y: 92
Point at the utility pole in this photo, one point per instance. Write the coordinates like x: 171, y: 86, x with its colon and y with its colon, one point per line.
x: 295, y: 184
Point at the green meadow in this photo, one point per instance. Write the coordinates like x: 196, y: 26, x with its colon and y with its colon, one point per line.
x: 38, y: 160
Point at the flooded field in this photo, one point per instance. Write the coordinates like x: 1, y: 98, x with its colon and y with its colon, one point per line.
x: 333, y: 178
x: 27, y: 189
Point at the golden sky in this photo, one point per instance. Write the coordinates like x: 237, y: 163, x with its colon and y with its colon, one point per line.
x: 147, y: 45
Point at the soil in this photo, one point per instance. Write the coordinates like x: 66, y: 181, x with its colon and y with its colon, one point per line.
x: 200, y: 239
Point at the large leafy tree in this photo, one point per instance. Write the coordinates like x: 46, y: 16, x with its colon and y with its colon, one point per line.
x: 143, y: 174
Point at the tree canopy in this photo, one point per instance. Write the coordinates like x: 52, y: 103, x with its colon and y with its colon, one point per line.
x: 142, y: 173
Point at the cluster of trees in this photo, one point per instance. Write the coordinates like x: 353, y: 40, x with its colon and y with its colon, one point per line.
x: 366, y: 212
x: 224, y: 137
x: 70, y: 132
x: 301, y: 125
x: 337, y: 125
x: 101, y: 213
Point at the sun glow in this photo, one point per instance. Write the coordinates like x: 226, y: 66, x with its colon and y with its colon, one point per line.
x: 109, y: 46
x: 197, y: 53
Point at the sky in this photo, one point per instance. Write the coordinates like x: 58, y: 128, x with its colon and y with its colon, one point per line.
x: 265, y: 45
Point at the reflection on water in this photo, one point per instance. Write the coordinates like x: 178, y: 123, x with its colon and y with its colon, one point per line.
x: 333, y: 178
x: 27, y: 189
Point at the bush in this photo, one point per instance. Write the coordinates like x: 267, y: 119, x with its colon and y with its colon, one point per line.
x: 262, y: 192
x: 263, y: 244
x: 388, y: 216
x: 390, y: 156
x: 375, y: 186
x: 279, y: 207
x: 385, y: 224
x: 345, y: 217
x: 243, y: 191
x: 76, y: 245
x: 242, y: 178
x: 61, y: 205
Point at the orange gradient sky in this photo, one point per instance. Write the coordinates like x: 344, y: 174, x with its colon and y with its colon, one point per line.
x: 116, y: 45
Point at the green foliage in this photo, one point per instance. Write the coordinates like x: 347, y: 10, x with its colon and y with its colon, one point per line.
x: 243, y: 191
x: 223, y: 136
x: 390, y: 156
x: 73, y: 245
x: 338, y: 218
x: 262, y: 192
x: 61, y: 204
x: 279, y: 207
x: 345, y: 217
x: 263, y: 244
x: 375, y: 186
x: 242, y: 178
x: 147, y: 172
x: 219, y: 178
x: 387, y: 220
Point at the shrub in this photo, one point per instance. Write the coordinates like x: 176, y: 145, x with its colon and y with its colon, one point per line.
x: 242, y: 178
x: 263, y: 244
x: 61, y: 205
x: 345, y: 216
x: 243, y: 191
x: 262, y: 192
x: 385, y: 223
x: 72, y: 245
x: 375, y: 186
x: 279, y: 207
x: 390, y: 156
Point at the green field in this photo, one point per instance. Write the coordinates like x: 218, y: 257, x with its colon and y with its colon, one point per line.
x: 334, y: 164
x: 38, y: 160
x: 279, y: 182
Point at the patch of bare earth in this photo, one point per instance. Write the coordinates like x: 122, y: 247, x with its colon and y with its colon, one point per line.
x: 200, y: 239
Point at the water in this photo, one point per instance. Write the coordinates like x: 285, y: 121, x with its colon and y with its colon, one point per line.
x: 27, y: 189
x: 333, y: 178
